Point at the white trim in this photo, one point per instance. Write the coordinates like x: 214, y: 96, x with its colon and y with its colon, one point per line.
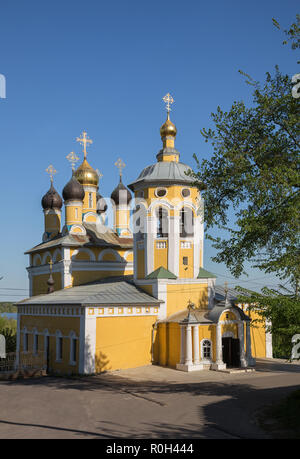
x: 111, y: 252
x: 83, y: 250
x: 89, y: 344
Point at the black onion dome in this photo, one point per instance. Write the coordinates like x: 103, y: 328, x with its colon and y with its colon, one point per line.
x: 121, y: 195
x: 101, y: 204
x: 52, y: 200
x: 73, y: 190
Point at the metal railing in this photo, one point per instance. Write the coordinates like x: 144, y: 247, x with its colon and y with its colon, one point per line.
x: 17, y: 361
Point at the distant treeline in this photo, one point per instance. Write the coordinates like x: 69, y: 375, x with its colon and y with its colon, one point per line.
x: 7, y: 307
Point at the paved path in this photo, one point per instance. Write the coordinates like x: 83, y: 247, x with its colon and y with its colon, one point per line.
x: 147, y: 402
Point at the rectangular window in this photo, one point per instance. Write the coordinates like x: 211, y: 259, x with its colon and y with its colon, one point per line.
x: 25, y: 343
x: 35, y: 343
x: 185, y: 261
x: 59, y: 348
x: 74, y: 350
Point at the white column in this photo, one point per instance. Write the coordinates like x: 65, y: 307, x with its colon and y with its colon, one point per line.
x: 242, y: 345
x: 173, y: 245
x: 218, y: 364
x: 149, y: 244
x: 182, y: 345
x: 197, y: 245
x: 196, y: 344
x: 249, y: 358
x: 188, y: 346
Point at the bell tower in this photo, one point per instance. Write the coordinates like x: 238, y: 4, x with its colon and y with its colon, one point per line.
x: 168, y: 227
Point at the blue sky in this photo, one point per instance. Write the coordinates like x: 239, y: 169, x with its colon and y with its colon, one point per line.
x: 104, y: 67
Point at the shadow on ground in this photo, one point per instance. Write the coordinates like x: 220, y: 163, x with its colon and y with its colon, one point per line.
x: 225, y: 409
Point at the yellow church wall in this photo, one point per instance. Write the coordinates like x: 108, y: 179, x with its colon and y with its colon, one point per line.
x: 140, y: 263
x: 147, y: 288
x: 91, y: 218
x: 258, y: 334
x: 168, y: 342
x: 40, y: 286
x: 160, y: 256
x: 73, y: 214
x: 179, y: 295
x: 82, y: 277
x: 123, y: 342
x: 82, y: 256
x: 173, y: 192
x: 186, y: 271
x: 63, y: 324
x: 52, y: 222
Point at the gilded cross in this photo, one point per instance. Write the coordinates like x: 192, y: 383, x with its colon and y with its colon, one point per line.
x: 72, y: 158
x: 226, y: 287
x: 51, y: 171
x: 168, y: 99
x: 84, y: 140
x: 120, y: 165
x: 50, y: 265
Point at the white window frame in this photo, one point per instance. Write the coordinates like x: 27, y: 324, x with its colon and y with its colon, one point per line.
x: 206, y: 359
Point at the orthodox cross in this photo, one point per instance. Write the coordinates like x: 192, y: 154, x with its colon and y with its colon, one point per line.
x: 168, y: 99
x: 84, y: 140
x: 190, y: 306
x: 51, y: 171
x: 120, y: 165
x: 72, y: 158
x: 50, y: 265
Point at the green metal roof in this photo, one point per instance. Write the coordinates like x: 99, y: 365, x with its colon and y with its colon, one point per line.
x: 203, y: 274
x: 161, y: 273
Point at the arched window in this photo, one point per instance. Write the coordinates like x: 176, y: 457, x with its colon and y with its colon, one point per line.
x: 186, y: 222
x: 90, y: 200
x: 206, y: 350
x: 139, y: 217
x: 162, y: 222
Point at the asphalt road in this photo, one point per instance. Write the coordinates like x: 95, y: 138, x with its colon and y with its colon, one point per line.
x: 149, y: 402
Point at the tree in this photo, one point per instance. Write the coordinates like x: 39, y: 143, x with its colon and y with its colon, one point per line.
x: 280, y: 310
x: 255, y: 173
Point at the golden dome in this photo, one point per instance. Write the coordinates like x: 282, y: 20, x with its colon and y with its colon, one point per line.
x: 168, y: 128
x: 86, y: 175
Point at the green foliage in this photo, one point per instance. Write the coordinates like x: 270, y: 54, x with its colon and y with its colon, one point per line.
x: 7, y: 307
x: 255, y: 173
x: 293, y: 33
x: 282, y: 311
x: 8, y: 328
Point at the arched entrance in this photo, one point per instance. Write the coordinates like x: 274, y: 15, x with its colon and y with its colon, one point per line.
x: 231, y: 351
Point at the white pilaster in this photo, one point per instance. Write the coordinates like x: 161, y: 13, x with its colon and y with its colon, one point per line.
x: 218, y: 364
x: 249, y: 358
x: 87, y: 344
x: 242, y: 345
x: 197, y: 245
x: 149, y: 244
x: 173, y: 244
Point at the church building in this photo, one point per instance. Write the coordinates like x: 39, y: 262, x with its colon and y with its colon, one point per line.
x: 137, y: 293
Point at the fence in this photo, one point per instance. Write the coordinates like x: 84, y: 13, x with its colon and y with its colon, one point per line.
x: 23, y: 361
